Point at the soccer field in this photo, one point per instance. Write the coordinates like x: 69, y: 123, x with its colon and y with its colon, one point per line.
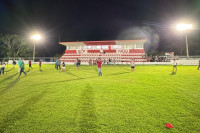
x: 120, y: 101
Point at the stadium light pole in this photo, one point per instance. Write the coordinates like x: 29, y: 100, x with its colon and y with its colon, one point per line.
x: 185, y: 27
x: 36, y: 37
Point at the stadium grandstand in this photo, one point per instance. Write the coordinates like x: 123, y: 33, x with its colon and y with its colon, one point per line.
x: 117, y: 51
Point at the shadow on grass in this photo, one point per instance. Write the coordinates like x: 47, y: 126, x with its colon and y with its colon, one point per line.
x: 87, y: 109
x: 126, y: 68
x: 7, y: 78
x: 8, y: 70
x: 72, y: 74
x: 118, y: 73
x: 61, y: 81
x: 9, y: 86
x: 19, y: 113
x: 173, y: 73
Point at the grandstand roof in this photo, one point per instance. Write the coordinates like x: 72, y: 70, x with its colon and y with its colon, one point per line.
x: 112, y: 42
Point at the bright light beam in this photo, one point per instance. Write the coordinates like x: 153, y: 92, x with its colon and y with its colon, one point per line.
x: 182, y: 26
x: 36, y: 37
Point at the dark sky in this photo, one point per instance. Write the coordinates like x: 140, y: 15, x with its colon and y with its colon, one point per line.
x: 87, y: 20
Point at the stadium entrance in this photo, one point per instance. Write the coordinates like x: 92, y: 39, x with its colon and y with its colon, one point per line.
x: 109, y: 51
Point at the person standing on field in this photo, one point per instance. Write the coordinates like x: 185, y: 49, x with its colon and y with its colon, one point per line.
x: 132, y: 63
x: 29, y: 63
x: 63, y: 67
x: 14, y: 63
x: 22, y: 66
x: 3, y: 64
x: 40, y: 64
x: 174, y: 67
x: 99, y: 64
x: 78, y: 63
x: 199, y: 65
x: 58, y: 64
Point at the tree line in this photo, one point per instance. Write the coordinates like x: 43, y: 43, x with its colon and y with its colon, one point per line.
x: 14, y: 45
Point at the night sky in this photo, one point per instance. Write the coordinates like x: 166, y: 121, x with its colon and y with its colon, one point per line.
x: 89, y: 20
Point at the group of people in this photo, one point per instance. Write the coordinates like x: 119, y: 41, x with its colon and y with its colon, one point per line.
x: 57, y: 65
x: 99, y: 63
x: 78, y: 63
x: 21, y: 66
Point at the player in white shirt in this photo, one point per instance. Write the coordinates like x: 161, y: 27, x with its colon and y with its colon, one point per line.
x: 174, y: 67
x: 132, y: 63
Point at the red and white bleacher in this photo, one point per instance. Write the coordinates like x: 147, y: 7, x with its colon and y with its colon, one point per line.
x: 71, y: 56
x: 116, y: 50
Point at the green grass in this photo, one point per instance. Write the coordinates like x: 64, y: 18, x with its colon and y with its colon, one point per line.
x: 120, y: 101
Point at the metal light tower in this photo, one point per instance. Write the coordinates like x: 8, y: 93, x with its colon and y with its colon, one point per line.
x: 185, y: 27
x: 36, y: 37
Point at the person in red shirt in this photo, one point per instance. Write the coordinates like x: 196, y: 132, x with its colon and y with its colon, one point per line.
x: 29, y: 63
x: 40, y: 64
x: 99, y: 63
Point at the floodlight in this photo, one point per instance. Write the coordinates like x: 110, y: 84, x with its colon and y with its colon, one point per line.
x: 36, y: 37
x: 183, y: 26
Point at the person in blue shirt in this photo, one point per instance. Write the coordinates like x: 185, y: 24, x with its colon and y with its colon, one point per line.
x: 22, y: 66
x: 56, y: 63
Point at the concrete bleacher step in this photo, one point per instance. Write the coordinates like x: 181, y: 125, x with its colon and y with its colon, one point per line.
x: 118, y: 57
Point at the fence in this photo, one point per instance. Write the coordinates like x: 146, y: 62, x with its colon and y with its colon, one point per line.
x: 194, y: 60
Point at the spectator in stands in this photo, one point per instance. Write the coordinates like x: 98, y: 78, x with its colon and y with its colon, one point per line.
x: 78, y: 63
x: 29, y: 63
x: 3, y: 64
x: 19, y: 64
x: 13, y: 63
x: 132, y: 63
x: 58, y: 64
x: 174, y: 67
x: 99, y: 63
x: 199, y: 65
x: 63, y: 67
x: 40, y: 65
x: 22, y: 66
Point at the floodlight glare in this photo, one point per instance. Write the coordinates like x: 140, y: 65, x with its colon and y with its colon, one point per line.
x: 183, y: 26
x: 36, y: 37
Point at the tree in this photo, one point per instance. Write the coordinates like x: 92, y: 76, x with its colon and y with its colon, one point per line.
x: 13, y: 45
